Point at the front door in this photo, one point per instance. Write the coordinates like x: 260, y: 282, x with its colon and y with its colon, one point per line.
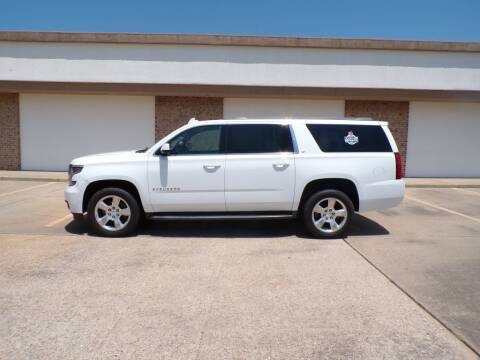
x: 192, y: 177
x: 260, y: 168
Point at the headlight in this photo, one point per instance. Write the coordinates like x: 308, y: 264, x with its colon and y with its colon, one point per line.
x: 72, y: 170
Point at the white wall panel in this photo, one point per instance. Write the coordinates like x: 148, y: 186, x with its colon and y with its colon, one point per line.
x: 54, y: 129
x: 271, y: 108
x: 443, y: 140
x: 239, y: 65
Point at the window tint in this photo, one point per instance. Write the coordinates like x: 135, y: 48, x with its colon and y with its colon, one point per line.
x: 261, y: 138
x: 197, y: 140
x: 350, y: 138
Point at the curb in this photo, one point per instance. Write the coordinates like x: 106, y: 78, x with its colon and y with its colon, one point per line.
x: 13, y: 178
x: 444, y: 186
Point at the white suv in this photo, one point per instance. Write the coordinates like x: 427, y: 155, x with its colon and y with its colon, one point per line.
x: 320, y: 171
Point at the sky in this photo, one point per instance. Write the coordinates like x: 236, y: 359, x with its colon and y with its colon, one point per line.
x: 447, y: 20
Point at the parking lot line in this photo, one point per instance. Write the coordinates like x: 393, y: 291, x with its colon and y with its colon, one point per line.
x: 443, y: 209
x: 470, y: 192
x: 58, y: 221
x: 25, y: 189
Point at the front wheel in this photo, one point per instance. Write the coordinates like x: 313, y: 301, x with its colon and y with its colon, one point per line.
x: 327, y: 213
x: 113, y: 212
x: 77, y: 217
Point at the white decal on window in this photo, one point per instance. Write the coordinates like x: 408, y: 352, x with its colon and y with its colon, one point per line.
x: 351, y: 139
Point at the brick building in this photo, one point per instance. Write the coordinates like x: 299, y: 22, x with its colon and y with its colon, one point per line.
x: 63, y: 95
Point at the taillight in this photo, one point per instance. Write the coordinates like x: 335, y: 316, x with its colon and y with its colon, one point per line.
x: 398, y: 166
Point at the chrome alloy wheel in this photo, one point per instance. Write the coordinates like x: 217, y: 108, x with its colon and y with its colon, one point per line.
x: 329, y: 215
x: 112, y: 213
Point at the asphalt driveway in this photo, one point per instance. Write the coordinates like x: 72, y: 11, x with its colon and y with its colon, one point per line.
x: 404, y: 284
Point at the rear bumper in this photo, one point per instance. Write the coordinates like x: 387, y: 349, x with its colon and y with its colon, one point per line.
x: 382, y: 195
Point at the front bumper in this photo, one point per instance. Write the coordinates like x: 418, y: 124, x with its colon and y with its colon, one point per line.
x: 74, y: 197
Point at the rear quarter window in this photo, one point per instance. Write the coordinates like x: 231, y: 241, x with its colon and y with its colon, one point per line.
x: 350, y: 138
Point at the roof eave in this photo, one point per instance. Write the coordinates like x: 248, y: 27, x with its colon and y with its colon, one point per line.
x: 228, y: 40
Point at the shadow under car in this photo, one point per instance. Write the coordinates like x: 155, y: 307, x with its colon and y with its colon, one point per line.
x: 251, y: 228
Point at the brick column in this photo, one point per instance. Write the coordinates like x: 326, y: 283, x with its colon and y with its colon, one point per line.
x: 171, y: 112
x: 395, y: 112
x: 9, y: 132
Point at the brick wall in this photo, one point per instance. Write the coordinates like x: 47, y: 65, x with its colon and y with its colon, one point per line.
x: 171, y: 112
x: 395, y: 112
x: 9, y: 132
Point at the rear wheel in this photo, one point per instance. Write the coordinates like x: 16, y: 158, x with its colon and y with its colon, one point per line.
x: 113, y: 212
x: 327, y: 213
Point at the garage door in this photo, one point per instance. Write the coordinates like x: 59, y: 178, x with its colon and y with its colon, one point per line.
x: 55, y: 129
x: 271, y: 108
x: 443, y: 140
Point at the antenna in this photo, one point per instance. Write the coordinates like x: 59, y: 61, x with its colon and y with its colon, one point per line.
x: 192, y: 120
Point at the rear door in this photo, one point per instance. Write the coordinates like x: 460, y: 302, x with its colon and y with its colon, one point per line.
x: 260, y: 167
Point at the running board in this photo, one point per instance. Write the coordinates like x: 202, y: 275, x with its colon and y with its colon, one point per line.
x: 224, y: 216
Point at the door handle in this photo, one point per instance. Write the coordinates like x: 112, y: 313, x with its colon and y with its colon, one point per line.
x: 211, y: 168
x: 281, y: 166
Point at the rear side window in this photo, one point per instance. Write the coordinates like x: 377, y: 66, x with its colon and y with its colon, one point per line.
x: 261, y: 138
x: 350, y: 138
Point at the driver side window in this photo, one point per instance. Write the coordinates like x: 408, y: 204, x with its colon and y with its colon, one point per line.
x: 197, y: 140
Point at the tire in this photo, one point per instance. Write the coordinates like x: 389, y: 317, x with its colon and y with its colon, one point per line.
x: 113, y: 212
x: 320, y: 223
x: 78, y: 217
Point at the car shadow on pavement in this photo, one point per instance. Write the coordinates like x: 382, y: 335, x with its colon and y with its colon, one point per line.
x: 226, y: 228
x: 361, y: 226
x: 209, y: 229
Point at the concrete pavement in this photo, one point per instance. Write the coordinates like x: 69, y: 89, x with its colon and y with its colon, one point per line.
x: 203, y: 298
x: 402, y: 285
x: 433, y: 255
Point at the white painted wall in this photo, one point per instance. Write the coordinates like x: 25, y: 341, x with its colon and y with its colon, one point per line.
x: 239, y: 65
x: 54, y: 129
x: 271, y: 108
x: 443, y: 140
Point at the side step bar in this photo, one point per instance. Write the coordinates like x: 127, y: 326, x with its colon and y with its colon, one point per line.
x: 219, y: 216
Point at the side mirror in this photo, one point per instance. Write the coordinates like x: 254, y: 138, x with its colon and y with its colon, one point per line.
x: 165, y: 149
